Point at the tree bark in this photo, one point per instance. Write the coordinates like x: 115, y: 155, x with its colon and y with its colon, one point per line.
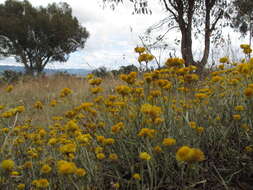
x: 208, y: 31
x: 186, y: 46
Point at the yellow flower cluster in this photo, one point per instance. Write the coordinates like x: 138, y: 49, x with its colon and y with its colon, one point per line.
x: 139, y: 49
x: 65, y: 92
x: 150, y: 110
x: 246, y: 48
x: 130, y: 78
x: 189, y: 155
x: 146, y: 132
x: 121, y: 134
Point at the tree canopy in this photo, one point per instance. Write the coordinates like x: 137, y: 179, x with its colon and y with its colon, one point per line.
x: 243, y: 19
x: 36, y: 36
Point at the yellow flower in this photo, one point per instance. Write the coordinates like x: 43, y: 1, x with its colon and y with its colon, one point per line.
x: 216, y: 78
x: 42, y: 132
x: 183, y: 153
x: 152, y: 111
x: 248, y: 148
x: 95, y: 81
x: 145, y: 57
x: 38, y: 105
x: 8, y: 164
x: 9, y: 88
x: 100, y: 138
x: 130, y: 78
x: 175, y: 62
x: 224, y: 60
x: 139, y: 49
x: 21, y: 186
x: 155, y: 93
x: 81, y: 172
x: 53, y: 103
x: 157, y: 149
x: 192, y: 124
x: 71, y: 126
x: 146, y: 132
x: 199, y: 130
x: 198, y: 155
x: 113, y: 156
x: 96, y: 90
x: 65, y: 92
x: 45, y: 169
x: 7, y: 114
x: 169, y: 141
x: 144, y: 156
x: 123, y: 90
x: 100, y: 156
x: 244, y: 46
x: 236, y: 116
x: 191, y: 77
x: 247, y: 50
x: 116, y: 185
x: 239, y: 108
x: 19, y: 109
x: 41, y: 183
x: 248, y: 92
x: 14, y: 173
x: 27, y: 165
x: 68, y: 148
x: 188, y: 154
x: 99, y: 149
x: 201, y: 95
x: 89, y: 76
x: 116, y: 128
x: 245, y: 127
x: 65, y: 167
x: 136, y: 176
x: 109, y: 141
x: 52, y: 141
x: 158, y: 120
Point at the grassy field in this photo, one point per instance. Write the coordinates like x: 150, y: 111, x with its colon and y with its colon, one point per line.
x: 166, y: 129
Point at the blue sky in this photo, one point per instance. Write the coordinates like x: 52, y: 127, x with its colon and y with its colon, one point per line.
x: 112, y: 42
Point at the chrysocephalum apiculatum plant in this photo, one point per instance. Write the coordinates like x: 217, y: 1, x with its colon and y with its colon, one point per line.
x: 165, y: 129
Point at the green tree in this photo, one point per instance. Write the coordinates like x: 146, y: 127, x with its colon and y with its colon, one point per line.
x: 203, y: 16
x: 243, y: 19
x: 36, y: 36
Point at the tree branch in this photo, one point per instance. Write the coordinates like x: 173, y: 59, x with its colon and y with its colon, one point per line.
x: 170, y: 10
x: 216, y: 21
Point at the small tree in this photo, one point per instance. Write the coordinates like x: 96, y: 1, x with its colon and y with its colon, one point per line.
x: 38, y: 36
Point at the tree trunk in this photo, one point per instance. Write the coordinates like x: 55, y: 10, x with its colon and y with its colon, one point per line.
x: 250, y: 32
x: 29, y: 71
x: 28, y: 67
x: 186, y: 46
x: 208, y: 32
x: 39, y: 70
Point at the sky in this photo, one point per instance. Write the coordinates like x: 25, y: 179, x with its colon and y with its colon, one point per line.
x: 113, y: 34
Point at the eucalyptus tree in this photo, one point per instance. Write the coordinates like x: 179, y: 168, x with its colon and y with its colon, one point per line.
x: 36, y: 36
x: 202, y: 16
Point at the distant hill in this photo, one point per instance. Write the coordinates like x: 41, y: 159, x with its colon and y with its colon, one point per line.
x: 80, y: 72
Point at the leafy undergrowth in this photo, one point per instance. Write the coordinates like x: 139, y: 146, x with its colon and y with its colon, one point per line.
x: 160, y: 130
